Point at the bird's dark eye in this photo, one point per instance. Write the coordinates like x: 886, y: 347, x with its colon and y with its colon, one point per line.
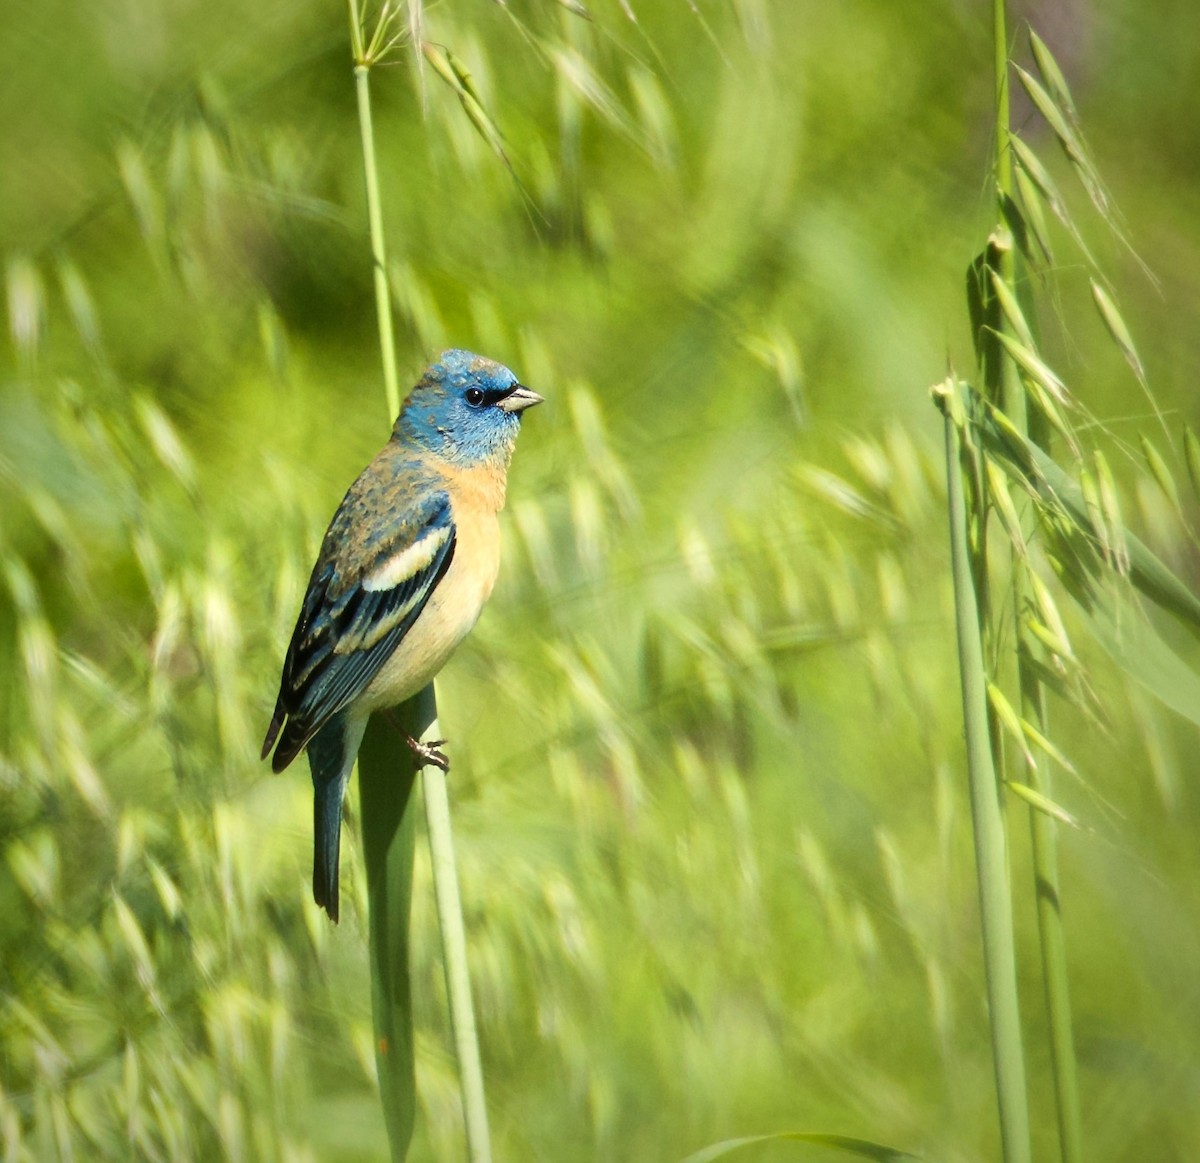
x: 474, y: 397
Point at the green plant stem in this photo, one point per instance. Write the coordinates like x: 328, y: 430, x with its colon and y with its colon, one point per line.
x: 1051, y: 936
x: 987, y: 817
x: 1004, y: 165
x: 385, y: 781
x: 454, y: 951
x: 385, y: 773
x: 1004, y: 384
x: 383, y: 303
x: 386, y: 856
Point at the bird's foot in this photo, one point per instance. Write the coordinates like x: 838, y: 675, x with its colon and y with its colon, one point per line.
x: 429, y: 753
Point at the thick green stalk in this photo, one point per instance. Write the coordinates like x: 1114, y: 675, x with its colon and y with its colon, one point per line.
x: 383, y: 307
x: 1010, y: 392
x: 385, y: 782
x: 987, y: 817
x: 388, y: 836
x: 1004, y: 165
x: 385, y: 768
x: 383, y: 302
x: 454, y: 953
x: 1050, y: 932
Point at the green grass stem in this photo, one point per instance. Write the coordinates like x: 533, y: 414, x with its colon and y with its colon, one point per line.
x: 1010, y: 392
x: 385, y: 772
x: 1055, y: 982
x: 987, y: 816
x: 1004, y: 166
x: 454, y: 953
x: 383, y: 303
x: 385, y: 780
x: 388, y: 839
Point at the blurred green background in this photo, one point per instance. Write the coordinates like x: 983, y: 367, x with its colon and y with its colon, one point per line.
x: 708, y: 784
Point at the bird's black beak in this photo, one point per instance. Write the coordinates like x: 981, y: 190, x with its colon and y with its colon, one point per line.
x: 518, y: 400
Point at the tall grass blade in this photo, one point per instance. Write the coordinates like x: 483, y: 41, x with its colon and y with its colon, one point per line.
x: 860, y: 1148
x: 1048, y: 394
x: 395, y: 1016
x: 1051, y: 935
x: 454, y: 951
x: 987, y: 817
x: 383, y: 305
x: 386, y: 777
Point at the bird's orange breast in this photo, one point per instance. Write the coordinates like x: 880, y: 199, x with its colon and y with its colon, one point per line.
x: 453, y: 608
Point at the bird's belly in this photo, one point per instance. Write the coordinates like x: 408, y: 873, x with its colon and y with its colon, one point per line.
x: 453, y: 608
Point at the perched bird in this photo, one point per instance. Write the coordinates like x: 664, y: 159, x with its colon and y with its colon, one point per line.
x: 408, y: 560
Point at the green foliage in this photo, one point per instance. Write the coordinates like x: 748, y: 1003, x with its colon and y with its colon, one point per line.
x: 706, y: 741
x: 1080, y: 536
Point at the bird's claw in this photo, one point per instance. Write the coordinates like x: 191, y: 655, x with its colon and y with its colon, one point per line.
x: 429, y: 753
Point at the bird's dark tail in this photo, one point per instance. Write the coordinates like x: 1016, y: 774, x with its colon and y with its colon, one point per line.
x: 330, y: 763
x: 327, y: 837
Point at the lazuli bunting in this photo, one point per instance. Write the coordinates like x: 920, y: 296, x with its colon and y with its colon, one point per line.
x: 408, y: 560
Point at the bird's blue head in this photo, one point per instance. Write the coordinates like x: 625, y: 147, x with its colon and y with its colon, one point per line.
x: 465, y: 408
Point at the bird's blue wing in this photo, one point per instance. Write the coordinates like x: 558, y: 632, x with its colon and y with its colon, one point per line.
x: 382, y: 557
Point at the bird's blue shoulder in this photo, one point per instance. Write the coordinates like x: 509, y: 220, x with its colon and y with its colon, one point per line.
x: 397, y: 499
